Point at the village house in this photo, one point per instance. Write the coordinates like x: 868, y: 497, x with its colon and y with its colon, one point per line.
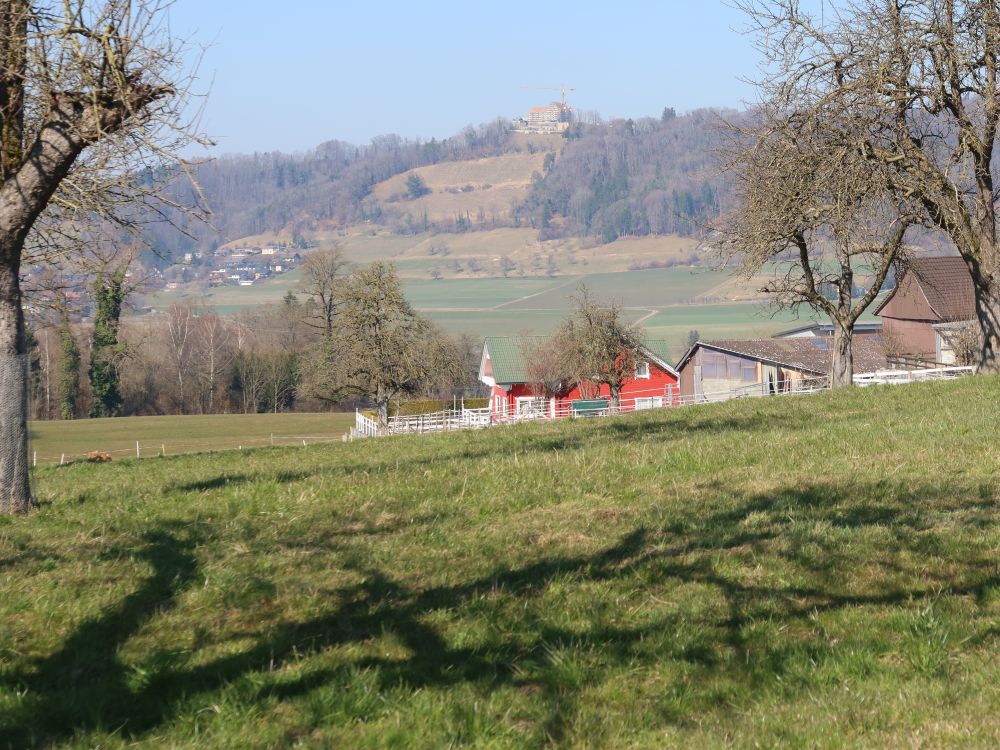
x: 933, y: 300
x: 513, y: 395
x: 720, y: 370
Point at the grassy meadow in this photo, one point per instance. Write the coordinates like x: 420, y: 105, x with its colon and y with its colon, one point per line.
x: 816, y: 571
x: 177, y: 434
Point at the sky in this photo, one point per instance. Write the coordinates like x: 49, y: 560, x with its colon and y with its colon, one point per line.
x: 323, y: 70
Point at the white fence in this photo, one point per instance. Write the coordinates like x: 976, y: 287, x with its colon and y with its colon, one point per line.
x: 439, y: 421
x: 545, y: 409
x: 893, y: 377
x: 548, y: 409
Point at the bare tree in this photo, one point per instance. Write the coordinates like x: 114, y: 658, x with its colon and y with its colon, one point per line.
x: 87, y: 90
x: 323, y: 274
x: 545, y: 364
x: 815, y: 209
x: 922, y: 80
x: 601, y: 347
x: 213, y: 355
x: 179, y: 346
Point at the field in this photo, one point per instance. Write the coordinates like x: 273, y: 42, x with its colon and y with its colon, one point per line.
x: 668, y: 302
x: 51, y: 441
x: 818, y: 571
x: 480, y: 189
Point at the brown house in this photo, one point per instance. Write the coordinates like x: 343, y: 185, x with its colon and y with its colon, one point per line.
x: 720, y: 370
x: 932, y: 299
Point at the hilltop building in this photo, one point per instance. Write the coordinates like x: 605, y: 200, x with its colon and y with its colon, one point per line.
x: 555, y: 118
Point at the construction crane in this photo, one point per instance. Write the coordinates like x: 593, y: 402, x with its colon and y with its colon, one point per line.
x: 562, y: 89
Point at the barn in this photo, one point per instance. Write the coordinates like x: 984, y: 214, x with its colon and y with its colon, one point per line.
x: 513, y: 395
x: 731, y: 368
x: 932, y: 300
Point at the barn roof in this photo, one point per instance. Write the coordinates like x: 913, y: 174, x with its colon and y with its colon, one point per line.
x: 945, y: 283
x: 509, y: 366
x: 810, y: 354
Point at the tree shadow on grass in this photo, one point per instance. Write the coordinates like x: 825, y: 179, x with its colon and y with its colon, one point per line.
x: 85, y: 686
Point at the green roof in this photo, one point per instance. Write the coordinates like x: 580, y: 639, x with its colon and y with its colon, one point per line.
x: 507, y: 355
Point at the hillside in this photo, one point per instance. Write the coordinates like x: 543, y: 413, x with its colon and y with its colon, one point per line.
x: 481, y: 192
x: 791, y: 572
x: 481, y: 178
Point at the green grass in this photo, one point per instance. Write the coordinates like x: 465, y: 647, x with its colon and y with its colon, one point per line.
x: 815, y: 571
x: 652, y: 288
x: 479, y: 294
x: 187, y: 434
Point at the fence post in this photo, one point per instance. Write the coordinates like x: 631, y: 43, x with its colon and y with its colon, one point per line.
x: 35, y: 459
x: 62, y: 459
x: 137, y: 453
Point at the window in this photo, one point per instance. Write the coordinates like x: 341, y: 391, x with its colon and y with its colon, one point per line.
x: 713, y: 364
x: 642, y: 370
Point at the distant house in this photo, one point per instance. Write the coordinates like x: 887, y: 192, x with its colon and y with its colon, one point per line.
x: 866, y: 328
x: 504, y: 368
x: 932, y: 300
x: 720, y: 370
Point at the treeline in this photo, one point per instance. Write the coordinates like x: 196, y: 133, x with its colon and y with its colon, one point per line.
x: 633, y: 177
x: 356, y: 341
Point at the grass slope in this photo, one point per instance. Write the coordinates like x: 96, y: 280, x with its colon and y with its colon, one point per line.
x: 817, y: 571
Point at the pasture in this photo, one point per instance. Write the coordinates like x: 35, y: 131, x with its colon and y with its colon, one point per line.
x: 816, y: 571
x: 52, y: 440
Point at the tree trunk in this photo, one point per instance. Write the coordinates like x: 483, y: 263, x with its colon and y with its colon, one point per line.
x: 842, y: 371
x: 988, y: 316
x: 616, y: 397
x: 15, y: 491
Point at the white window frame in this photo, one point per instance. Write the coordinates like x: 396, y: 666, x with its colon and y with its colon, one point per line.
x: 642, y: 371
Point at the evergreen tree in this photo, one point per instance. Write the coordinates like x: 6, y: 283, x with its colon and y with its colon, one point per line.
x: 69, y: 369
x: 109, y: 294
x: 416, y: 187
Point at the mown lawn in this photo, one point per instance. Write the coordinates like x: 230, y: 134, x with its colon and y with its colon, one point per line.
x: 819, y: 571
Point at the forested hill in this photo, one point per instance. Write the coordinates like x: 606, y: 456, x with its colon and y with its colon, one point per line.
x: 627, y: 177
x: 634, y: 177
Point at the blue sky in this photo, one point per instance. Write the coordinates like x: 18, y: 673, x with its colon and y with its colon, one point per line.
x: 352, y: 70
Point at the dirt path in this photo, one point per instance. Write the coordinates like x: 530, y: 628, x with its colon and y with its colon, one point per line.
x: 650, y: 312
x: 572, y: 280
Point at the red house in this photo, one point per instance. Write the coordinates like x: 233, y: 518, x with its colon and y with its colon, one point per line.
x: 513, y: 396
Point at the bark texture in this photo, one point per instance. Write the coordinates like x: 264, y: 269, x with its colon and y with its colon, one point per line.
x: 15, y: 491
x: 842, y: 370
